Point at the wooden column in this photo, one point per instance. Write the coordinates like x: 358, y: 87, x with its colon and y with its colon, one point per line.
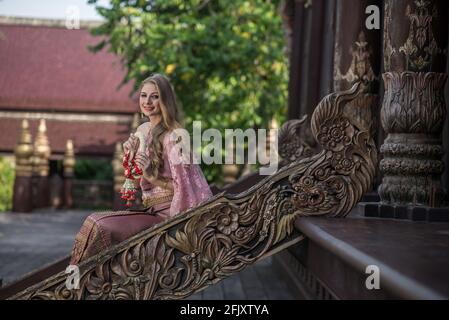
x: 414, y: 109
x: 357, y: 51
x: 310, y: 26
x: 294, y: 18
x: 41, y: 167
x: 69, y: 165
x: 311, y: 54
x: 22, y: 197
x: 357, y: 58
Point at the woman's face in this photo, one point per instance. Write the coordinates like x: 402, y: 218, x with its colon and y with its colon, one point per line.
x: 149, y: 100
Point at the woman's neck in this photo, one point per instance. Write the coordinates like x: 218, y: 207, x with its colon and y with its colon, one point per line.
x: 154, y: 121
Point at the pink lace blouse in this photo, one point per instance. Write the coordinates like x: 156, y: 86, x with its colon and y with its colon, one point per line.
x: 189, y: 184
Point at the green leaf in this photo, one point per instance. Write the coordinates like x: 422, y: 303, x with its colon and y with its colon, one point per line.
x: 230, y: 67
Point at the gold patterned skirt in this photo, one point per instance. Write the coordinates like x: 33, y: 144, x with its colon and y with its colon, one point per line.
x: 101, y: 230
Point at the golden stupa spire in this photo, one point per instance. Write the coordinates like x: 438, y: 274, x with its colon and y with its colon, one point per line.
x: 69, y: 159
x: 24, y: 151
x: 42, y: 150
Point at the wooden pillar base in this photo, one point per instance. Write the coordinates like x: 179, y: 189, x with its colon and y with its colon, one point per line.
x: 68, y: 199
x: 42, y: 192
x: 413, y: 115
x: 22, y: 199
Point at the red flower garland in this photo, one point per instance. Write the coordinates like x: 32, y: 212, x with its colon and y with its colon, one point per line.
x: 132, y: 172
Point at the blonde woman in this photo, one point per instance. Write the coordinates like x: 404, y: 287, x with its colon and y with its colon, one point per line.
x: 168, y: 187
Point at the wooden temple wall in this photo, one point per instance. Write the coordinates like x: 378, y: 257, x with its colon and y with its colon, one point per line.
x: 330, y: 48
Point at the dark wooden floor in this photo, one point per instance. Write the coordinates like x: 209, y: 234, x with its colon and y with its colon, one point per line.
x: 30, y: 241
x: 257, y: 282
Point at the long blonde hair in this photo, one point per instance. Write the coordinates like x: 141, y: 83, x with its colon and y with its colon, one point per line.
x: 171, y: 114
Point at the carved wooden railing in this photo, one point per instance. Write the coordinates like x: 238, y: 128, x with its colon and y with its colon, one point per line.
x: 220, y: 237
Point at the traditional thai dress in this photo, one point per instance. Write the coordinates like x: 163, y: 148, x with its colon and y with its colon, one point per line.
x: 104, y: 229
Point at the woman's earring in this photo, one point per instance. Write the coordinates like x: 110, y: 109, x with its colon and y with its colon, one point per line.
x: 141, y: 115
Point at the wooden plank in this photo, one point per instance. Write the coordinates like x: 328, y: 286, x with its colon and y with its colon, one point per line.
x: 233, y: 289
x: 274, y: 286
x: 215, y: 292
x: 252, y: 285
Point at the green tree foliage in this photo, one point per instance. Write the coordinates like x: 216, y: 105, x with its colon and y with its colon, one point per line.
x: 7, y: 175
x: 225, y: 58
x: 93, y: 169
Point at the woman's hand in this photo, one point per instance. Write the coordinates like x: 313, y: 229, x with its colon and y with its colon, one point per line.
x: 142, y: 161
x: 131, y: 145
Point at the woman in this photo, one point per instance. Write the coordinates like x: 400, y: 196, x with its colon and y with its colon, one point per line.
x: 168, y: 187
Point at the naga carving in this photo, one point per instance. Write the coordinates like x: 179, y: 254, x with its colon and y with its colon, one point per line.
x: 220, y: 237
x: 293, y: 143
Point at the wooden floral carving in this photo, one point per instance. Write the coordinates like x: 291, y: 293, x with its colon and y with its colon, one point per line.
x: 220, y: 237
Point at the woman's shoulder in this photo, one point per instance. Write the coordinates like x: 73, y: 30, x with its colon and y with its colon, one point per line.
x: 144, y: 127
x: 172, y: 136
x: 167, y: 137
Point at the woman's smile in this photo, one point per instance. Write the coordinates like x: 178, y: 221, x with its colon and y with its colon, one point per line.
x: 149, y: 108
